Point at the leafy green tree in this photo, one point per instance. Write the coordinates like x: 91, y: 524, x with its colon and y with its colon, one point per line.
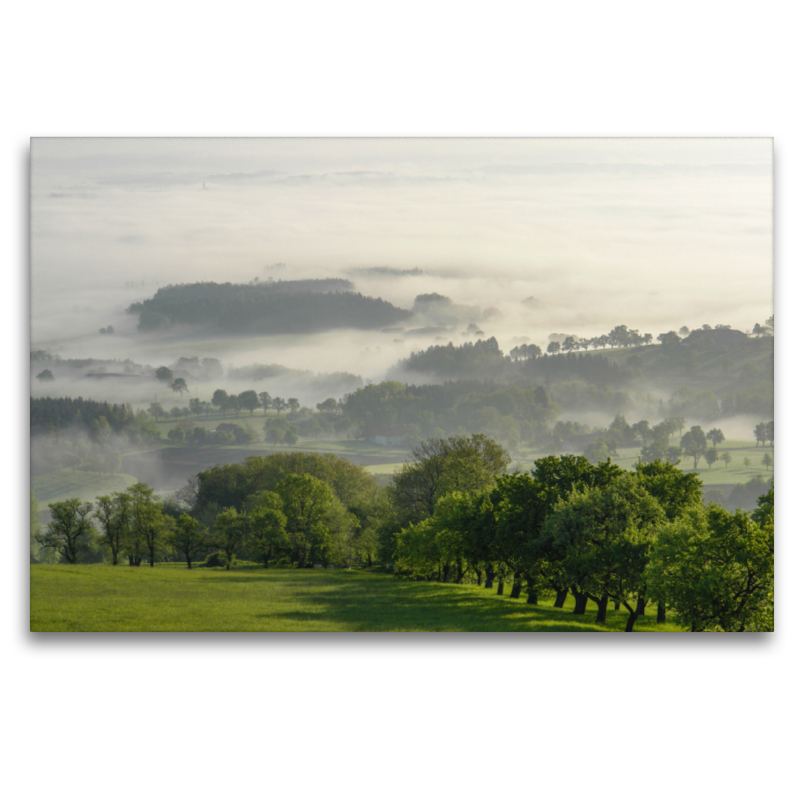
x: 715, y: 569
x: 694, y: 443
x: 604, y: 536
x: 188, y: 538
x: 293, y: 405
x: 113, y: 514
x: 711, y: 457
x: 770, y: 432
x: 715, y: 436
x: 219, y: 399
x: 313, y: 518
x: 746, y: 462
x: 35, y: 529
x: 553, y: 348
x: 727, y: 458
x: 249, y: 401
x: 179, y: 385
x: 767, y: 460
x: 597, y: 451
x: 164, y: 374
x: 760, y: 432
x: 279, y: 404
x: 328, y: 406
x: 669, y: 340
x: 265, y: 401
x: 440, y: 466
x: 195, y: 406
x: 266, y: 536
x: 156, y: 410
x: 69, y: 529
x: 290, y: 438
x: 148, y: 525
x: 45, y: 375
x: 230, y: 529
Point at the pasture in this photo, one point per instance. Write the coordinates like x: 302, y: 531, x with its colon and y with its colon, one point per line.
x: 169, y: 597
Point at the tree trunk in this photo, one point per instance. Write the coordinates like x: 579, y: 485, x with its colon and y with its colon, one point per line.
x: 602, y: 606
x: 631, y: 620
x: 661, y: 614
x: 561, y: 596
x: 640, y: 604
x: 478, y: 577
x: 516, y: 590
x: 489, y: 580
x: 445, y: 573
x: 369, y: 560
x: 500, y: 586
x: 580, y: 602
x: 189, y: 563
x: 533, y: 598
x: 617, y: 605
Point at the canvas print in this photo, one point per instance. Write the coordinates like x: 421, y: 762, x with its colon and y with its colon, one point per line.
x: 513, y: 385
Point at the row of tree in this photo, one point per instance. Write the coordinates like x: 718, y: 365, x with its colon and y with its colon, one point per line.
x: 607, y: 536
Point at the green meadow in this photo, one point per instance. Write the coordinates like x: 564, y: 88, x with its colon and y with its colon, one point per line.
x: 169, y: 597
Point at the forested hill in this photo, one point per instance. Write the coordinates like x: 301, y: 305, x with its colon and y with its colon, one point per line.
x: 275, y: 307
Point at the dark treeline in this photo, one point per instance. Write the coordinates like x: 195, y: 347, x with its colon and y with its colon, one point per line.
x: 263, y: 308
x: 98, y: 419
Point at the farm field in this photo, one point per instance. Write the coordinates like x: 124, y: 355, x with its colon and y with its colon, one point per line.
x: 60, y: 484
x: 170, y: 597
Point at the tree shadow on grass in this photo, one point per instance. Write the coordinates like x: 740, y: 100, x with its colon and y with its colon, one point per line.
x: 359, y: 603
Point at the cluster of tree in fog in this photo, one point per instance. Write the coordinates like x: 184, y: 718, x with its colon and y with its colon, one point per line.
x: 266, y: 308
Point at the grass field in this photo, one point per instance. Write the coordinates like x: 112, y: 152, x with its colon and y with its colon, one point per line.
x: 60, y: 484
x: 170, y: 597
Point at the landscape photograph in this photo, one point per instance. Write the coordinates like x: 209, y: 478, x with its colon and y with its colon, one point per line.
x: 401, y: 385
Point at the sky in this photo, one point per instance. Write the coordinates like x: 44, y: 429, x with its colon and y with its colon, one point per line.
x: 652, y: 233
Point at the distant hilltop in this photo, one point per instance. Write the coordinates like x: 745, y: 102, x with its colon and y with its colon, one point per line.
x: 303, y: 306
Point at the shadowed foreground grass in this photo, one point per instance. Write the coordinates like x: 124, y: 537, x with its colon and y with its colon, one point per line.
x: 170, y: 597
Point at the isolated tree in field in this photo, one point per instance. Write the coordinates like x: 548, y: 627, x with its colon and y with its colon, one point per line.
x: 179, y: 385
x: 45, y: 375
x: 760, y: 432
x: 293, y: 404
x: 265, y: 401
x: 694, y: 443
x: 715, y: 569
x: 266, y: 536
x: 727, y: 458
x: 770, y: 432
x: 711, y: 457
x: 553, y: 348
x: 328, y: 406
x: 175, y: 412
x: 229, y: 531
x: 248, y: 400
x: 164, y: 374
x: 715, y: 436
x: 156, y: 410
x: 188, y: 538
x: 746, y: 462
x: 767, y: 460
x: 68, y: 529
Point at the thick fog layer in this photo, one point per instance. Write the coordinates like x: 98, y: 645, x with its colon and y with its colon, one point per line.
x: 526, y: 237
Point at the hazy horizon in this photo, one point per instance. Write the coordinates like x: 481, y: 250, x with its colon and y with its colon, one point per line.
x: 651, y: 233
